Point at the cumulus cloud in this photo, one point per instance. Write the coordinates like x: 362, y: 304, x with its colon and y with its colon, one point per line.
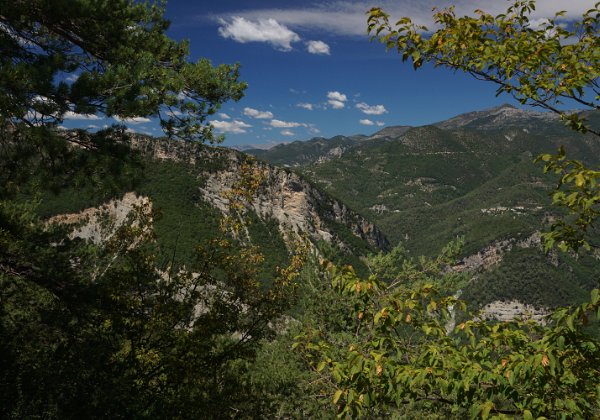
x: 305, y: 106
x: 336, y: 99
x: 371, y: 109
x: 224, y: 116
x: 285, y: 124
x: 317, y: 47
x: 287, y: 133
x: 255, y: 113
x: 244, y: 30
x: 233, y: 127
x: 70, y: 115
x: 366, y: 121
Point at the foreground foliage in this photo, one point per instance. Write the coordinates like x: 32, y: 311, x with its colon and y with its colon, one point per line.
x: 97, y: 330
x: 106, y: 329
x: 409, y: 355
x: 114, y: 58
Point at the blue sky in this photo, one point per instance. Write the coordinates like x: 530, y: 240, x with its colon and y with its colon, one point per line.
x: 312, y: 71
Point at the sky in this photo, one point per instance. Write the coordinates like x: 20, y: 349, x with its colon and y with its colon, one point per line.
x: 313, y: 72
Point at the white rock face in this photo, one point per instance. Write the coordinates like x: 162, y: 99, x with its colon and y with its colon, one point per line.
x: 380, y: 208
x: 334, y: 153
x: 507, y: 311
x: 99, y: 223
x: 290, y: 200
x: 492, y: 255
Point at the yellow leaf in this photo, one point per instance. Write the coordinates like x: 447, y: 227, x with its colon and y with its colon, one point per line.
x: 337, y: 395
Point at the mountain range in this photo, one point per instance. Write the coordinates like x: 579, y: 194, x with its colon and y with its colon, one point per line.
x: 471, y: 176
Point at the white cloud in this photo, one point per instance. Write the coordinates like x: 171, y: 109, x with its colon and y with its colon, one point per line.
x: 173, y: 113
x: 244, y: 30
x: 317, y: 47
x: 134, y: 120
x: 336, y: 104
x: 255, y: 113
x: 287, y: 133
x: 345, y: 17
x: 285, y: 124
x: 71, y: 78
x: 369, y: 122
x: 335, y: 95
x: 371, y: 109
x: 224, y: 116
x: 70, y: 115
x: 538, y: 23
x: 305, y: 106
x: 336, y: 99
x: 234, y: 127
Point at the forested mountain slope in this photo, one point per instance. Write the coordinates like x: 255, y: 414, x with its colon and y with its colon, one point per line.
x: 188, y: 184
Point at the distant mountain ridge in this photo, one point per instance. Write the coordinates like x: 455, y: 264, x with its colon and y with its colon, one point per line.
x: 318, y: 149
x: 503, y: 117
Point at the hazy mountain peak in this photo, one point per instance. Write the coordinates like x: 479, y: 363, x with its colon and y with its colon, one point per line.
x: 497, y: 117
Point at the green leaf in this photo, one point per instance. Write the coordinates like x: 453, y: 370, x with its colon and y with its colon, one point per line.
x: 595, y: 295
x: 487, y: 407
x: 570, y: 322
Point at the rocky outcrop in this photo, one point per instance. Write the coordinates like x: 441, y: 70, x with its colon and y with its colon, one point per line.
x: 508, y: 311
x: 492, y: 254
x: 98, y: 224
x: 293, y: 202
x: 334, y: 153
